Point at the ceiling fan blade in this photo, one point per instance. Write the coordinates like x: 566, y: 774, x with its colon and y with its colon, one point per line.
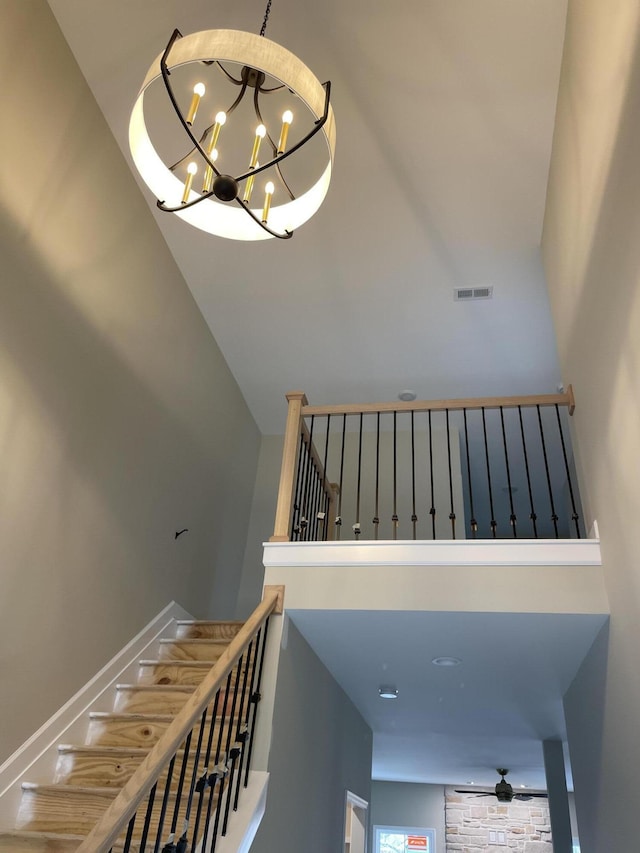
x: 528, y: 796
x: 486, y: 794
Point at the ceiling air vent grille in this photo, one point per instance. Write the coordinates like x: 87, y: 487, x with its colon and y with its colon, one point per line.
x: 466, y: 294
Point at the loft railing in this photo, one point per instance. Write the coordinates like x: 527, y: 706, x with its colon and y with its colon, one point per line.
x: 182, y: 795
x: 482, y: 468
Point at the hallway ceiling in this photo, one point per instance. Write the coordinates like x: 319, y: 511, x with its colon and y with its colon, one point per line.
x: 444, y: 116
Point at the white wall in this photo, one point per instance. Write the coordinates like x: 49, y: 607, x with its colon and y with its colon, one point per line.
x: 320, y: 748
x: 406, y: 804
x: 592, y: 257
x: 119, y: 420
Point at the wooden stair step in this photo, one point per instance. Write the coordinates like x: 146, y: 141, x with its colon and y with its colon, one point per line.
x: 196, y: 649
x: 47, y: 842
x: 190, y: 672
x: 129, y: 730
x: 133, y: 730
x: 203, y: 629
x: 74, y: 810
x: 112, y: 767
x: 152, y: 698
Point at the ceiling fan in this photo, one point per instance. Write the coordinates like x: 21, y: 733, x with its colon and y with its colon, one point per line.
x: 504, y: 792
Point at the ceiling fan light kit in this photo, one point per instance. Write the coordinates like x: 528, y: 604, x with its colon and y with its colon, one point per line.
x: 210, y: 178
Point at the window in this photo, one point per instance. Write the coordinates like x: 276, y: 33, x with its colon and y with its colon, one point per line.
x: 404, y: 839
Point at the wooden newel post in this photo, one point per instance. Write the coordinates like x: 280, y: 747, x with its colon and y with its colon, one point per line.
x: 284, y: 509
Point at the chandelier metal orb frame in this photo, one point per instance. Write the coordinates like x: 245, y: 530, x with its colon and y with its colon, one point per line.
x: 218, y: 202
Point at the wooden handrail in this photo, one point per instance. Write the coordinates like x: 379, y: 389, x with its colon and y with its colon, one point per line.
x: 114, y: 821
x: 453, y: 405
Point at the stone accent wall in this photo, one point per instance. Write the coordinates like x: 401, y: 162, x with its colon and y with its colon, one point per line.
x: 470, y: 820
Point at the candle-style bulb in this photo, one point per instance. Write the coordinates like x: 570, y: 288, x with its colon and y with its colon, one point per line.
x: 248, y: 187
x: 268, y: 194
x: 287, y: 118
x: 219, y: 120
x: 198, y: 92
x: 261, y: 132
x: 192, y: 168
x: 207, y: 183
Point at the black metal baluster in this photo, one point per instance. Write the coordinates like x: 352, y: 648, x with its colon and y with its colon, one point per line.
x: 532, y: 514
x: 554, y: 516
x: 327, y: 502
x: 432, y: 511
x: 306, y: 506
x: 339, y: 516
x: 318, y: 508
x: 452, y: 514
x: 223, y: 771
x: 130, y: 828
x: 473, y: 523
x: 376, y: 517
x: 243, y: 730
x: 216, y: 777
x: 147, y: 818
x: 183, y: 769
x: 394, y: 517
x: 574, y: 513
x: 295, y: 518
x: 192, y: 784
x: 163, y: 807
x: 486, y: 456
x: 356, y: 526
x: 203, y: 781
x: 255, y: 699
x: 232, y: 750
x: 512, y: 517
x: 414, y: 517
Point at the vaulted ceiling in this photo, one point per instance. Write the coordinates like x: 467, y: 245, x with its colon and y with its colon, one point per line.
x: 444, y: 115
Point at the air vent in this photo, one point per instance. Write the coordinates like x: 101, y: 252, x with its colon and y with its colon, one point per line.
x: 465, y: 294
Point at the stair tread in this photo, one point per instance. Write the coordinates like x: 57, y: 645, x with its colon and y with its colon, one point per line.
x: 157, y: 688
x: 198, y: 664
x: 64, y: 790
x: 200, y: 641
x: 209, y: 622
x: 66, y: 748
x: 130, y: 717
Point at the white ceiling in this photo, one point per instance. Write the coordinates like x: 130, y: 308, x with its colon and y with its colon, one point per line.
x: 444, y: 115
x: 455, y: 725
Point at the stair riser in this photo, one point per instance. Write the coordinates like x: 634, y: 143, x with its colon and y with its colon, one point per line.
x: 134, y: 701
x: 168, y: 673
x: 191, y: 650
x: 208, y: 630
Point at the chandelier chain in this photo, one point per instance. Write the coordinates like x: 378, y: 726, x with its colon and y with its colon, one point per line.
x: 263, y: 29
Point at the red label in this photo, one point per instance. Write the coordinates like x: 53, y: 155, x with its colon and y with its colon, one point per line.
x: 416, y: 842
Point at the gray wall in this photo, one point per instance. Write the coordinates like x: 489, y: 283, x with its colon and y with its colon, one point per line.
x: 409, y: 804
x: 119, y: 420
x: 592, y: 258
x: 321, y: 747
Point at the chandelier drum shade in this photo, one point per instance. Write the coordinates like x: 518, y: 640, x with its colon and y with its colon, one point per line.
x: 243, y: 145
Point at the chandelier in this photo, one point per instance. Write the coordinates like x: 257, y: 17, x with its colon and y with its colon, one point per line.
x: 243, y: 145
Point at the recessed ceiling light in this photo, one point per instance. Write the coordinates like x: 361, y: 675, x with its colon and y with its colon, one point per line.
x: 446, y: 661
x: 407, y: 396
x: 388, y: 691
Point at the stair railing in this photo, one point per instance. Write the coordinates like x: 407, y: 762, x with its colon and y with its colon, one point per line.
x: 440, y: 469
x: 180, y: 797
